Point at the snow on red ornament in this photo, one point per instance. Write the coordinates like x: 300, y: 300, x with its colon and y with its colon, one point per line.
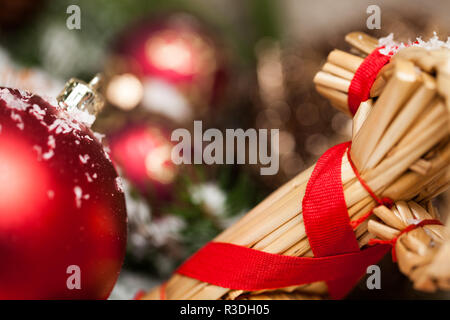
x: 63, y: 222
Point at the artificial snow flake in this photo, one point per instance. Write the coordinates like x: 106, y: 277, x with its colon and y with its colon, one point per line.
x: 60, y: 126
x: 37, y: 112
x: 51, y: 142
x: 119, y: 184
x: 12, y: 101
x: 84, y: 159
x: 26, y: 95
x: 16, y: 117
x: 107, y: 151
x: 99, y: 136
x: 79, y: 196
x: 38, y: 151
x: 82, y: 117
x: 433, y: 43
x: 88, y: 177
x: 391, y: 46
x: 48, y: 154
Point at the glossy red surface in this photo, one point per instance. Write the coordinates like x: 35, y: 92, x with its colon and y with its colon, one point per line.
x: 60, y: 204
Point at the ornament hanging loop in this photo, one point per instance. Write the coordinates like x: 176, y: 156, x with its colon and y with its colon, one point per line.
x: 96, y: 81
x: 83, y: 96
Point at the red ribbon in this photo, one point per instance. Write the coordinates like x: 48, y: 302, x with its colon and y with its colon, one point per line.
x: 138, y: 295
x: 364, y: 78
x: 381, y: 201
x: 236, y: 267
x: 409, y: 228
x: 338, y: 260
x: 326, y: 217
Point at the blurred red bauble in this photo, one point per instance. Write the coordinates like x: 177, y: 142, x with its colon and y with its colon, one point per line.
x: 177, y: 62
x: 62, y: 210
x: 143, y: 152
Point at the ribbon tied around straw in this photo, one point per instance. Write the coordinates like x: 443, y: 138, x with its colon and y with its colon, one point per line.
x: 409, y: 228
x: 364, y: 78
x: 337, y: 257
x: 381, y: 201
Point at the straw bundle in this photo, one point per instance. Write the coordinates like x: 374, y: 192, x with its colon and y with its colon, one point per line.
x: 423, y: 254
x: 333, y: 81
x: 438, y: 270
x: 400, y: 147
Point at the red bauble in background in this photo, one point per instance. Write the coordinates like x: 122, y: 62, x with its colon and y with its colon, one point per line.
x: 61, y: 204
x: 178, y: 62
x: 143, y: 152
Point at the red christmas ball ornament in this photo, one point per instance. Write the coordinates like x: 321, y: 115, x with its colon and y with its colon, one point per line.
x: 143, y: 152
x: 178, y: 62
x: 63, y: 222
x: 175, y: 47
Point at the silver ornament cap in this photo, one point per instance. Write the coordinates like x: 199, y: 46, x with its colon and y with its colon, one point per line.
x: 79, y: 95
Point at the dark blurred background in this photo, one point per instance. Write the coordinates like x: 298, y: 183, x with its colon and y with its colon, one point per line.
x: 231, y: 64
